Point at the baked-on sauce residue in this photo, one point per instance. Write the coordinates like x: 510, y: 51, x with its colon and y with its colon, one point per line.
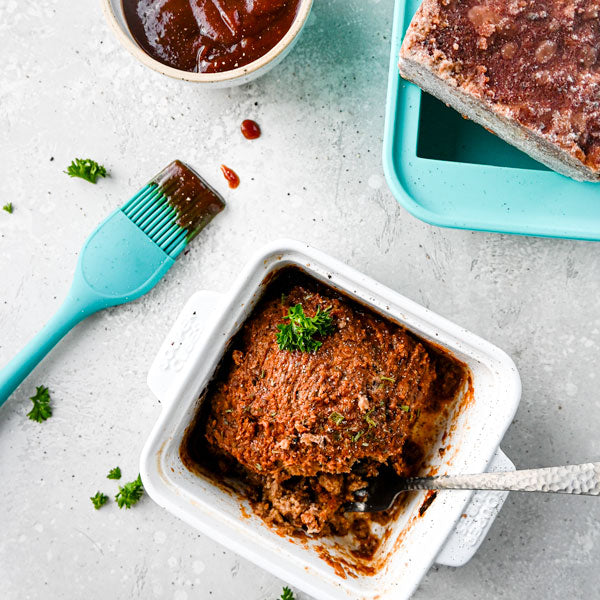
x: 250, y: 129
x: 298, y: 433
x: 232, y: 177
x: 194, y: 200
x: 208, y: 36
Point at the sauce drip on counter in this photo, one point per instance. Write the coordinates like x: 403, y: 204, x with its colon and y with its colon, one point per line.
x: 232, y: 177
x: 250, y: 129
x: 208, y: 36
x: 194, y: 200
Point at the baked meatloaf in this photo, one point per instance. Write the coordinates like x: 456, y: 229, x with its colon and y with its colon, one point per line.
x: 304, y: 429
x: 528, y: 70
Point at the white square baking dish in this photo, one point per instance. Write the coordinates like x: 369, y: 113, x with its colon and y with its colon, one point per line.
x: 449, y: 531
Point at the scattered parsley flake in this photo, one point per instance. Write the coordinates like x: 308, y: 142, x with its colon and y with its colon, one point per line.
x: 114, y: 473
x: 262, y: 374
x: 357, y: 436
x: 383, y: 378
x: 299, y: 333
x: 405, y: 408
x: 99, y: 500
x: 336, y: 417
x: 130, y: 493
x: 287, y: 594
x: 86, y: 168
x: 41, y: 405
x: 229, y: 410
x: 8, y: 207
x: 369, y: 419
x: 259, y: 467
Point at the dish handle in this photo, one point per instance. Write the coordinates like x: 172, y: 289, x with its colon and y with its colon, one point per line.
x: 479, y: 514
x: 172, y: 365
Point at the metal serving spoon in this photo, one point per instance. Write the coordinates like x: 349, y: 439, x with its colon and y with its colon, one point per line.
x: 571, y: 479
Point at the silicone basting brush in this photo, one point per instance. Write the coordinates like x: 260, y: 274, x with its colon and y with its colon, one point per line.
x: 125, y: 257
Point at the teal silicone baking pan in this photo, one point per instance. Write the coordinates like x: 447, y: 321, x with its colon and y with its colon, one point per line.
x: 451, y: 172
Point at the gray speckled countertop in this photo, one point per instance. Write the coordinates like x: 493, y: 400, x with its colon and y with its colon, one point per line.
x: 68, y: 89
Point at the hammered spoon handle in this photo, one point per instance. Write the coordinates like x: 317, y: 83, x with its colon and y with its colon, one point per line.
x: 570, y: 479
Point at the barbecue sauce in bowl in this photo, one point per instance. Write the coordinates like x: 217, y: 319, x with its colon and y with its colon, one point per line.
x: 208, y: 36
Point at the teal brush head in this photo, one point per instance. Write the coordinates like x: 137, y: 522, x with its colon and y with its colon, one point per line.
x: 125, y: 257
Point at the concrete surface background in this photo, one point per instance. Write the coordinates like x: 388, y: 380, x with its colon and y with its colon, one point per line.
x: 68, y: 89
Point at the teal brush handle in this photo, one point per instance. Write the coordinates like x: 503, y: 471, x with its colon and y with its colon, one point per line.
x: 118, y: 263
x: 73, y: 310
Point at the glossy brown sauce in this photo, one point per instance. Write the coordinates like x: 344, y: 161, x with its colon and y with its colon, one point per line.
x: 195, y: 201
x: 208, y: 36
x: 446, y: 379
x: 231, y: 176
x: 250, y: 129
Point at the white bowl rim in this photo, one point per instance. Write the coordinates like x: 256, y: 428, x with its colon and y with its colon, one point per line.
x: 223, y: 76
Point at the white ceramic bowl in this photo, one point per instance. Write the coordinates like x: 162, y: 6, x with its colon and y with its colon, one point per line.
x: 185, y: 365
x: 113, y: 11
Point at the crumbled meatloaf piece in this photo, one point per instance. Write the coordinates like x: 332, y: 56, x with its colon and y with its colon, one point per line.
x: 529, y: 70
x: 278, y: 414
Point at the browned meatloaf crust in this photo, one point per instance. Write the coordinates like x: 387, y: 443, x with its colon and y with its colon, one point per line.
x: 305, y: 429
x: 527, y: 69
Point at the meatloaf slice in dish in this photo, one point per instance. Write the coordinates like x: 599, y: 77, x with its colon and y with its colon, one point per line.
x: 306, y: 428
x: 528, y: 70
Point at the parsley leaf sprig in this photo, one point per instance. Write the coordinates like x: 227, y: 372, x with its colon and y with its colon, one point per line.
x: 99, y: 500
x: 8, y: 207
x: 130, y: 493
x: 114, y: 473
x: 41, y: 405
x: 287, y: 594
x: 299, y: 333
x: 86, y: 168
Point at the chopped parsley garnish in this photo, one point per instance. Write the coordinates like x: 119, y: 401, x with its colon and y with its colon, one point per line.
x: 405, y: 408
x: 369, y: 419
x: 8, y: 207
x: 41, y: 405
x: 114, y: 473
x: 299, y: 333
x: 383, y: 378
x: 336, y: 417
x: 287, y: 594
x: 99, y: 500
x: 357, y: 436
x: 86, y: 168
x: 130, y: 493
